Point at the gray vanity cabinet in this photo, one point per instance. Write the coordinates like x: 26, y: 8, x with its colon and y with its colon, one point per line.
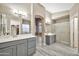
x: 31, y: 46
x: 50, y: 39
x: 22, y: 49
x: 8, y: 51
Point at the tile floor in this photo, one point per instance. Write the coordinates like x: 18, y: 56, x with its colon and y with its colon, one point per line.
x: 55, y: 49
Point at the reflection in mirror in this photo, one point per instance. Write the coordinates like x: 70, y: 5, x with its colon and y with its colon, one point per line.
x: 25, y: 27
x: 14, y: 30
x: 5, y: 24
x: 15, y: 23
x: 12, y: 25
x: 0, y: 24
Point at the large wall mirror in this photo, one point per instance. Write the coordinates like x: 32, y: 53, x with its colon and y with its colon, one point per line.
x: 0, y: 24
x: 11, y: 25
x: 4, y: 24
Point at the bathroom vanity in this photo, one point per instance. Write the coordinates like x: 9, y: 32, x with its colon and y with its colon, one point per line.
x: 50, y: 38
x: 20, y: 45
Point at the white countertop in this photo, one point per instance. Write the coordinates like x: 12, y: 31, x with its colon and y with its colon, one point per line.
x: 50, y: 34
x: 17, y: 37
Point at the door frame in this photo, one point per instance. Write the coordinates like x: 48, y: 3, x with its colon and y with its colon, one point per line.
x: 43, y: 27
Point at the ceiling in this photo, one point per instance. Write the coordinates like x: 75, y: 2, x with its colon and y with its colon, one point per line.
x: 57, y: 7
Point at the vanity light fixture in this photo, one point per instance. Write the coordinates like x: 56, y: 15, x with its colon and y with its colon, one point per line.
x: 20, y: 13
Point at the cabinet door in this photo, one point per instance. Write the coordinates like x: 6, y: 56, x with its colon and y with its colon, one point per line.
x: 48, y: 40
x: 22, y: 49
x: 32, y: 43
x: 8, y: 51
x: 31, y: 46
x: 31, y: 51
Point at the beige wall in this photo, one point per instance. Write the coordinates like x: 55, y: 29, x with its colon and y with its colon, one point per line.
x: 74, y: 26
x: 48, y: 26
x: 4, y: 9
x: 62, y: 30
x: 37, y: 9
x: 53, y: 27
x: 63, y: 19
x: 60, y: 14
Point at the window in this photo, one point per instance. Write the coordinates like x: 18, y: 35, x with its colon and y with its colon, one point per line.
x: 25, y: 28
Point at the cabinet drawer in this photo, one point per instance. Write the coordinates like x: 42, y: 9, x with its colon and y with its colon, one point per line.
x: 22, y: 49
x: 31, y: 39
x: 11, y: 43
x: 31, y: 51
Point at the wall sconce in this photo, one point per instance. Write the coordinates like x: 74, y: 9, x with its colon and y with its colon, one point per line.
x: 48, y: 21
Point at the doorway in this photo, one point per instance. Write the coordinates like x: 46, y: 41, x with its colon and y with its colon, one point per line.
x: 38, y: 23
x: 39, y: 30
